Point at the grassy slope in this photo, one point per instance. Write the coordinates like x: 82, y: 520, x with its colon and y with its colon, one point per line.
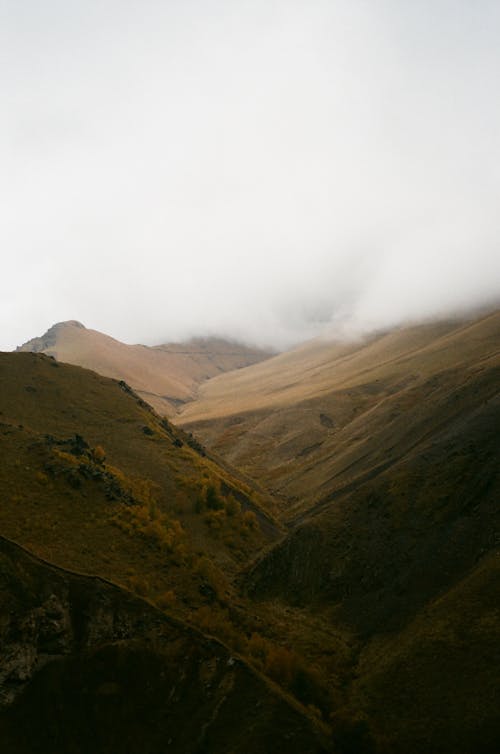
x: 388, y: 467
x: 165, y: 376
x: 394, y: 526
x: 126, y: 502
x: 138, y: 517
x: 309, y: 422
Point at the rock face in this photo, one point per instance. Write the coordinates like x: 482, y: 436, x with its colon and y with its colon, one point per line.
x: 49, y: 340
x: 87, y: 667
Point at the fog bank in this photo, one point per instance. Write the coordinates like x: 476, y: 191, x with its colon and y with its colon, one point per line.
x: 266, y: 171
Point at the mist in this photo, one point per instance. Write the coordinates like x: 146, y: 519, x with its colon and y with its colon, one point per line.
x: 266, y: 171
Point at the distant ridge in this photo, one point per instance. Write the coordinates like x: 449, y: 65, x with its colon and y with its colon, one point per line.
x: 165, y: 376
x: 311, y: 420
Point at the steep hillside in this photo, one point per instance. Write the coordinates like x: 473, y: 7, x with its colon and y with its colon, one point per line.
x: 92, y: 479
x: 380, y: 549
x: 375, y: 600
x: 324, y: 417
x: 407, y: 561
x: 435, y: 686
x: 86, y: 667
x: 386, y: 455
x: 165, y: 376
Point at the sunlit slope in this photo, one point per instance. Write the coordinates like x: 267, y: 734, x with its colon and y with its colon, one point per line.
x: 316, y: 419
x: 165, y: 375
x: 87, y: 667
x: 92, y: 479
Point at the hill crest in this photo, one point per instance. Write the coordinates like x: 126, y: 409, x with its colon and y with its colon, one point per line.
x: 166, y: 376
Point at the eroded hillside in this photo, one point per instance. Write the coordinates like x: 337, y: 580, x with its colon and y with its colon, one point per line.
x: 87, y: 667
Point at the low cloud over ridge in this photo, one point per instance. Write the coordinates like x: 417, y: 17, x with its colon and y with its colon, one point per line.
x: 261, y: 171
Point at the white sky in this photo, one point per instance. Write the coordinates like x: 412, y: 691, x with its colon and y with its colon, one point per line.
x: 255, y: 169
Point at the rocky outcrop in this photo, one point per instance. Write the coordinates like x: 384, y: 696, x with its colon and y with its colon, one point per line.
x: 49, y: 339
x: 87, y: 667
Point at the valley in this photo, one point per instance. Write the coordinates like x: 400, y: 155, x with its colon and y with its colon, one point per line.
x: 166, y: 376
x: 328, y: 516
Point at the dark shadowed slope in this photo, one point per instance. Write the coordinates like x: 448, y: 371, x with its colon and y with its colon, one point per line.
x: 387, y: 459
x: 86, y: 668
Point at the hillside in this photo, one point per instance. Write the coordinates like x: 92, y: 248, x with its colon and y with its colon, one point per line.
x: 165, y: 376
x: 86, y: 667
x: 385, y: 454
x: 367, y: 589
x: 321, y: 418
x: 93, y: 480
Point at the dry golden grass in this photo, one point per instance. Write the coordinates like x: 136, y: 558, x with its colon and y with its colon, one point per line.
x: 316, y: 419
x: 164, y: 375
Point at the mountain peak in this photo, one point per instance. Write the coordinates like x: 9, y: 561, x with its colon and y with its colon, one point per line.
x: 69, y: 323
x: 166, y: 376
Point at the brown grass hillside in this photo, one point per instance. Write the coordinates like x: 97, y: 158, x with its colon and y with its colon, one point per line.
x: 314, y: 420
x: 386, y: 456
x: 92, y: 479
x: 165, y: 376
x: 377, y: 607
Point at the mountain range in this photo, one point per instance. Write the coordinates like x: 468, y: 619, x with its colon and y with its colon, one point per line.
x: 166, y: 376
x: 310, y: 538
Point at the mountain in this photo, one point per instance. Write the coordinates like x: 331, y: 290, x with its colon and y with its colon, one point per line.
x: 349, y: 558
x: 385, y: 455
x: 165, y: 376
x: 93, y: 481
x: 319, y: 419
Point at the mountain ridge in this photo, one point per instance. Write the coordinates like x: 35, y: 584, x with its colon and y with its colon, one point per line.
x: 166, y: 375
x: 365, y: 582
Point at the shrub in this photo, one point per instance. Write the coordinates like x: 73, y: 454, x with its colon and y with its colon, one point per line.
x: 250, y: 520
x: 158, y: 528
x: 215, y: 519
x: 212, y: 499
x: 232, y: 506
x: 99, y: 454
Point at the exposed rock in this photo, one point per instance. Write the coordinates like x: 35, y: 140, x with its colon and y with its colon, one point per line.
x: 95, y: 669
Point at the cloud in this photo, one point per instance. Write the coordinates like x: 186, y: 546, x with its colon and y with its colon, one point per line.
x: 258, y: 170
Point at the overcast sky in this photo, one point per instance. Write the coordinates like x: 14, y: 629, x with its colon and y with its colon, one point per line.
x: 256, y: 169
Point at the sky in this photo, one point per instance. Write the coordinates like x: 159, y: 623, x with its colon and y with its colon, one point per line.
x: 265, y: 170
